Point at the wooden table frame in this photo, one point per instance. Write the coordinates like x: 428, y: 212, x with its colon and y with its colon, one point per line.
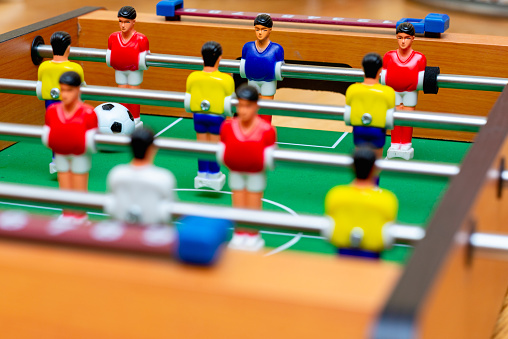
x: 445, y: 291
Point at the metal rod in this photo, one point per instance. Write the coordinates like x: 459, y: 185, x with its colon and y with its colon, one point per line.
x: 279, y: 220
x: 484, y: 243
x: 490, y: 245
x: 17, y: 132
x: 176, y: 99
x: 288, y: 70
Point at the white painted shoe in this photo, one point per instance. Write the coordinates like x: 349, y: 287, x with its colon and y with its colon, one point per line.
x: 214, y: 175
x: 52, y: 168
x: 200, y: 180
x: 246, y: 242
x: 394, y: 146
x: 254, y: 242
x: 216, y: 182
x: 406, y: 147
x: 237, y: 241
x: 81, y: 220
x: 392, y: 151
x: 404, y: 154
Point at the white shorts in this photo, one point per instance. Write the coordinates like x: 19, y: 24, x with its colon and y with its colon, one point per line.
x: 253, y: 182
x: 266, y: 88
x: 133, y: 78
x: 408, y: 99
x: 78, y: 164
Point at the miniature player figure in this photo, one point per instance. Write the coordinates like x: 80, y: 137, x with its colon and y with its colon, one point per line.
x: 247, y: 142
x: 48, y: 87
x: 262, y: 60
x: 127, y: 50
x: 49, y: 73
x: 362, y: 212
x: 403, y: 70
x: 208, y: 97
x: 141, y: 192
x: 69, y: 131
x: 370, y: 106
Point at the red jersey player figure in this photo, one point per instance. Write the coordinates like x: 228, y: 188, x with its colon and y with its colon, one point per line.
x: 403, y: 70
x: 69, y: 131
x: 50, y: 71
x: 127, y: 50
x: 247, y: 143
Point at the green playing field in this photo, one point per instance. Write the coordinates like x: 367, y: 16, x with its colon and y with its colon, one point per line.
x: 291, y: 188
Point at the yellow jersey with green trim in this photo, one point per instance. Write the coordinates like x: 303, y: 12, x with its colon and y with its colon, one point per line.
x: 368, y: 208
x: 375, y: 100
x: 208, y: 90
x: 49, y: 74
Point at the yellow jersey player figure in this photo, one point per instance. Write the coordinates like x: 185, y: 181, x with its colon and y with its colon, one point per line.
x: 49, y: 73
x: 362, y: 212
x: 370, y: 106
x: 208, y: 97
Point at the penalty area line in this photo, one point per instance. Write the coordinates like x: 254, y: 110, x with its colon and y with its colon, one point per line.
x: 168, y: 127
x: 317, y: 146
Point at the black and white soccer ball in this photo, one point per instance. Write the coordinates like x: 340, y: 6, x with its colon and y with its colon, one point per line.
x: 114, y: 118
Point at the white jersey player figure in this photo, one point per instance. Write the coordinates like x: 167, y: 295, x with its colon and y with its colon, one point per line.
x: 141, y: 193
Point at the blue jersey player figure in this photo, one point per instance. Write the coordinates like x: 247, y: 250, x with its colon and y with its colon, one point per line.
x: 262, y: 60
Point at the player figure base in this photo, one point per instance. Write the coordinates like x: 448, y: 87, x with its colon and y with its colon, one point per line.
x: 213, y: 183
x: 52, y: 167
x: 73, y: 219
x: 404, y: 154
x: 246, y: 242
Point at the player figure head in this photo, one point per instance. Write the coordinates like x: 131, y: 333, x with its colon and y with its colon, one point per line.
x: 405, y: 34
x: 211, y: 52
x: 127, y: 19
x: 60, y: 42
x: 364, y: 160
x: 142, y: 144
x: 372, y: 64
x: 69, y: 88
x: 247, y: 108
x: 263, y: 26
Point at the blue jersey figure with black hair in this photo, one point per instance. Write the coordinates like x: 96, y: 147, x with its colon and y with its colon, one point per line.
x: 262, y: 60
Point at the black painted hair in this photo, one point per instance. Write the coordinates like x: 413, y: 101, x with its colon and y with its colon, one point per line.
x: 211, y: 51
x: 59, y: 42
x: 70, y: 78
x: 247, y: 92
x: 141, y: 140
x: 364, y: 159
x: 371, y: 64
x: 263, y: 20
x: 406, y: 27
x: 127, y: 12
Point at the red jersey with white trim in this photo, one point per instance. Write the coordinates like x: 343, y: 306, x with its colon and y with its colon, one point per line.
x: 67, y: 134
x: 125, y: 54
x: 245, y: 152
x: 403, y: 76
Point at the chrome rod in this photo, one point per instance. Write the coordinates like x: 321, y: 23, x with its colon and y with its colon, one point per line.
x: 17, y: 132
x: 279, y: 220
x: 176, y: 99
x: 288, y: 70
x: 490, y: 245
x: 485, y: 244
